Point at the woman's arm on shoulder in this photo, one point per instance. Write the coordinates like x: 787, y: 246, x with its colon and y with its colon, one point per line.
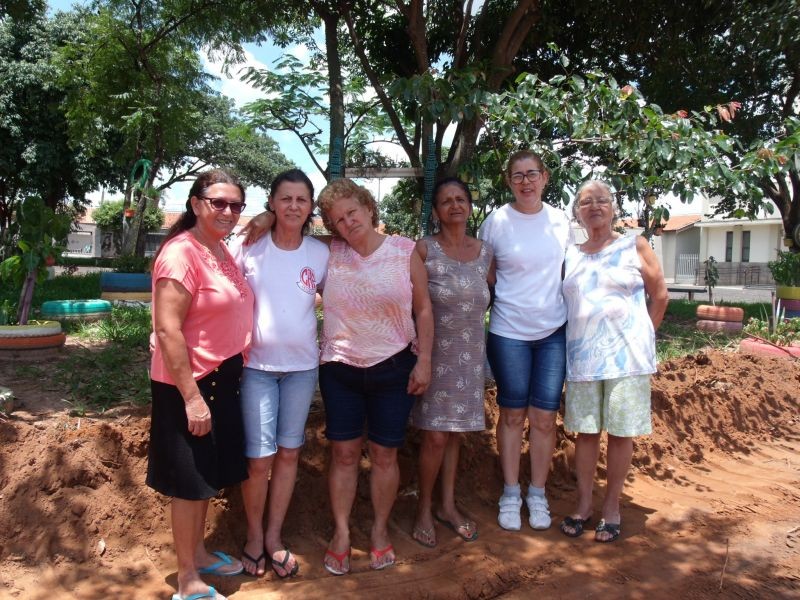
x: 421, y: 248
x: 423, y: 317
x: 654, y: 284
x: 171, y: 303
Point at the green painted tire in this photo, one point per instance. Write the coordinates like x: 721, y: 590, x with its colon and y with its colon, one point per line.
x: 32, y: 329
x: 74, y: 308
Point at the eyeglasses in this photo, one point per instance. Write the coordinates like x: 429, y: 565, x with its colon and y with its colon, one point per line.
x: 532, y: 175
x: 588, y: 201
x: 221, y: 204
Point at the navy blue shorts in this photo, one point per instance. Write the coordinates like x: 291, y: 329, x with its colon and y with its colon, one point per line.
x: 376, y: 394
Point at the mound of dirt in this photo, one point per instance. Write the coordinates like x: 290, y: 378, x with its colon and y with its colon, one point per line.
x: 76, y: 517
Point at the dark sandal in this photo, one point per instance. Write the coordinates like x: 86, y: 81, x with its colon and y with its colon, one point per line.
x: 612, y: 529
x: 574, y: 523
x: 281, y: 564
x: 256, y: 562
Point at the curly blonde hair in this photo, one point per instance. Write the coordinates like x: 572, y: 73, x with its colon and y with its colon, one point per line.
x: 345, y: 188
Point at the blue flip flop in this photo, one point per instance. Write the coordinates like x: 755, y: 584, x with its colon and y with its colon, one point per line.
x: 211, y: 593
x: 217, y: 568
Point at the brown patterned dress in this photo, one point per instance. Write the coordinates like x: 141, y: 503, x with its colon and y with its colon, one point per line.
x: 460, y: 295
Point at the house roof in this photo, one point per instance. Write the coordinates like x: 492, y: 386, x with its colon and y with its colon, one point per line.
x: 680, y: 222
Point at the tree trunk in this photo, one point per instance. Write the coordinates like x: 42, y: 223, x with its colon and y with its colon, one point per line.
x: 336, y: 150
x: 26, y: 298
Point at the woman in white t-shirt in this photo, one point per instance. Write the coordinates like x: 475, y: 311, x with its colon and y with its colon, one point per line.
x: 526, y: 342
x: 285, y: 269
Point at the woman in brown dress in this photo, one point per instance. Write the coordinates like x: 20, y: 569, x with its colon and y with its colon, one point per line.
x: 460, y: 270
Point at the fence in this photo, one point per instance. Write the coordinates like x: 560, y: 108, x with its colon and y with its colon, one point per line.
x: 737, y: 273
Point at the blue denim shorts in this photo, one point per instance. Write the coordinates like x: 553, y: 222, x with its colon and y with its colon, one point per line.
x: 529, y: 372
x: 275, y: 408
x: 376, y: 394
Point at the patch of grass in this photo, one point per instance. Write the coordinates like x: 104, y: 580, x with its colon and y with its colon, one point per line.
x: 99, y: 379
x: 128, y: 327
x: 679, y: 336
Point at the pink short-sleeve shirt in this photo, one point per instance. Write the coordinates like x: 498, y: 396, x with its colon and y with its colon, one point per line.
x: 219, y: 322
x: 367, y: 303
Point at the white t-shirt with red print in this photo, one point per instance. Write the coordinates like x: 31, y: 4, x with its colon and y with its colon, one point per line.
x: 285, y: 284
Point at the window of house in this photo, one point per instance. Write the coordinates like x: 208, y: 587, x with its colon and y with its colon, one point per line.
x: 745, y: 246
x: 728, y: 246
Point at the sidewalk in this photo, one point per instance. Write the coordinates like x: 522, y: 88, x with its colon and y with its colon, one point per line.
x: 734, y: 293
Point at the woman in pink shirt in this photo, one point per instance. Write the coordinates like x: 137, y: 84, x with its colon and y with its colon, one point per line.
x: 375, y: 358
x: 202, y: 323
x: 377, y: 316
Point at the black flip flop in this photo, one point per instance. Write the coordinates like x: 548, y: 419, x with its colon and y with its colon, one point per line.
x: 281, y: 564
x: 255, y: 561
x: 576, y: 524
x: 611, y: 528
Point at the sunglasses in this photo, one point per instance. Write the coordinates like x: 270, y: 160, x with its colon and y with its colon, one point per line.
x: 220, y: 204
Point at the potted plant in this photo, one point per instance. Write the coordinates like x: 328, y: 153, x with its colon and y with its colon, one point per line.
x: 786, y: 273
x: 40, y: 235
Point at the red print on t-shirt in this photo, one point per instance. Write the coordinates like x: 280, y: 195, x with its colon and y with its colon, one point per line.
x: 307, y: 283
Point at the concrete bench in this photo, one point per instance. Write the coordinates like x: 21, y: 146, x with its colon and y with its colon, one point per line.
x: 690, y: 290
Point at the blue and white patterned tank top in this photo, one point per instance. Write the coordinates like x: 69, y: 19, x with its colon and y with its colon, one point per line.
x: 609, y: 333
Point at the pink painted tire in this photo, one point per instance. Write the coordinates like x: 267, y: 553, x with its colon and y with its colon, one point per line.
x: 719, y: 326
x: 751, y: 346
x: 734, y: 314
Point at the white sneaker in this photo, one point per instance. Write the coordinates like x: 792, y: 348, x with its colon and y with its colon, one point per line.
x: 509, y: 516
x: 539, y: 512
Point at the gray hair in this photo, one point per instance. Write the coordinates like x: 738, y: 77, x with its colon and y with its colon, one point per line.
x: 594, y: 183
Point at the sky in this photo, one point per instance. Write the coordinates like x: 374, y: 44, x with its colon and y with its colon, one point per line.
x: 262, y: 57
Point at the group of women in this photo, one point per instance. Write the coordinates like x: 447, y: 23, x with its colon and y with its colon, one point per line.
x: 403, y: 339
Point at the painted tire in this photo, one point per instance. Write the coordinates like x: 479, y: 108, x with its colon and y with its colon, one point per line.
x: 73, y: 308
x: 791, y: 314
x: 785, y: 292
x: 86, y: 316
x: 751, y: 346
x: 128, y: 296
x: 125, y: 282
x: 719, y: 326
x: 38, y: 329
x: 33, y: 343
x: 790, y: 304
x: 720, y: 313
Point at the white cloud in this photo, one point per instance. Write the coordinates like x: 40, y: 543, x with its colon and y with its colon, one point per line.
x: 231, y: 85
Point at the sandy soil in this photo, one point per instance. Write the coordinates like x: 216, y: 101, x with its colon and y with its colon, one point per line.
x: 712, y: 507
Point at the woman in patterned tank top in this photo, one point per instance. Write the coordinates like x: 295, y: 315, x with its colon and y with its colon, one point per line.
x: 460, y: 271
x: 616, y: 298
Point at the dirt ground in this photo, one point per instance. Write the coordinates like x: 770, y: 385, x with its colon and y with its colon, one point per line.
x: 711, y: 509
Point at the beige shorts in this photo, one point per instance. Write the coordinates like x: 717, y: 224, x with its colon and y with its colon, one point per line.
x: 620, y: 406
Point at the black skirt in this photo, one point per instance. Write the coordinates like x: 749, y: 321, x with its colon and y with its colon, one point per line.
x: 183, y: 465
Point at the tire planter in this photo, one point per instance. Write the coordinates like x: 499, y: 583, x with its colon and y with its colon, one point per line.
x: 719, y: 326
x: 733, y: 314
x: 751, y: 346
x: 33, y: 343
x: 791, y: 308
x: 32, y: 329
x: 76, y: 309
x: 125, y: 282
x: 127, y: 296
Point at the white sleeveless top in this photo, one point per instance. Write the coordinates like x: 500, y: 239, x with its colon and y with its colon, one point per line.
x: 609, y: 332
